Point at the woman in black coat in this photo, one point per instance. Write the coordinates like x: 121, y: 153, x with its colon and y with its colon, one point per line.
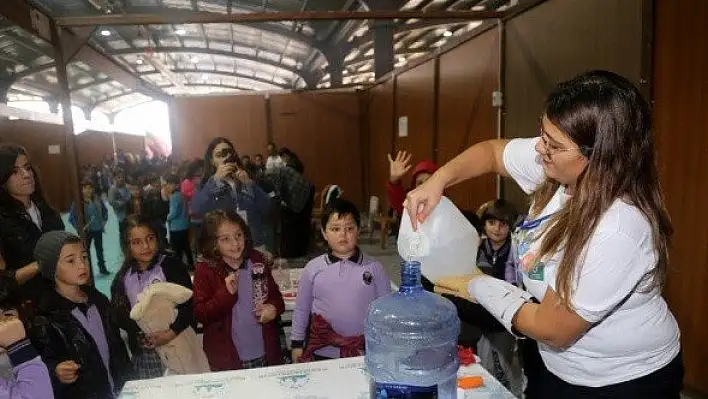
x: 24, y: 216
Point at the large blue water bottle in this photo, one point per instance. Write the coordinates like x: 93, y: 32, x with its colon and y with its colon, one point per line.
x: 411, y: 342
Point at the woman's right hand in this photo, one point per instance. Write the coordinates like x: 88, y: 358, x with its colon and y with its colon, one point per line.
x: 296, y: 354
x: 399, y: 166
x: 225, y: 170
x: 421, y: 201
x: 67, y: 372
x: 232, y: 283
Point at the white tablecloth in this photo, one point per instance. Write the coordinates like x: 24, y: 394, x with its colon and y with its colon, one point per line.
x: 335, y: 379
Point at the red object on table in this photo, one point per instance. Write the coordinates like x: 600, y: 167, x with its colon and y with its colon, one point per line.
x: 466, y: 355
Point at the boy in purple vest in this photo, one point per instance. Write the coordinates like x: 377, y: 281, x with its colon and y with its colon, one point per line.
x: 335, y: 291
x: 75, y: 330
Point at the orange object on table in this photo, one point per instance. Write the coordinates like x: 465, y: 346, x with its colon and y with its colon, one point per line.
x: 470, y: 382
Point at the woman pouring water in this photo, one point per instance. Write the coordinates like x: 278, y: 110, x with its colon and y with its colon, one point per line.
x: 593, y: 250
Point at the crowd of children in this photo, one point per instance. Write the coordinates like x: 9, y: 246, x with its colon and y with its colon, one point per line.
x: 75, y: 328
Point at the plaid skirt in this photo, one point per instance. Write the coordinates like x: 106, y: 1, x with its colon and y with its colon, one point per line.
x: 148, y: 364
x: 255, y: 363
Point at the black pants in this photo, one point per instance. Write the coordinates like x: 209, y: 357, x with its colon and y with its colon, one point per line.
x: 97, y: 238
x: 179, y: 240
x: 665, y: 383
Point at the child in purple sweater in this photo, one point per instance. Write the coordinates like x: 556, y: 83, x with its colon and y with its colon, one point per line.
x: 335, y: 291
x: 30, y: 377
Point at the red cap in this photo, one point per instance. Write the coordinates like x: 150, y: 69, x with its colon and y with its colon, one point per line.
x: 466, y: 355
x: 426, y: 166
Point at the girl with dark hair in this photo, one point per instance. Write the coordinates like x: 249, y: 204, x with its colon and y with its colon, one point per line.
x: 24, y: 216
x: 227, y: 186
x: 594, y: 249
x: 145, y: 265
x: 235, y: 297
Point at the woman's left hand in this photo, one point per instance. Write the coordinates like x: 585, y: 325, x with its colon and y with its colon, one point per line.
x: 266, y: 313
x: 162, y: 338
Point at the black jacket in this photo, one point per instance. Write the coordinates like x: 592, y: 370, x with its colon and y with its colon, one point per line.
x: 175, y: 272
x: 18, y: 237
x: 59, y: 336
x: 154, y: 208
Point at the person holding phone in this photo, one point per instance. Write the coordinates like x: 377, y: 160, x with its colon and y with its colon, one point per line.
x: 227, y: 186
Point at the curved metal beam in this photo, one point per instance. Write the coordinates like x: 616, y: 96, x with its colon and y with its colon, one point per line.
x: 95, y: 105
x: 222, y: 53
x: 126, y: 93
x: 202, y: 71
x: 223, y: 73
x: 277, y: 29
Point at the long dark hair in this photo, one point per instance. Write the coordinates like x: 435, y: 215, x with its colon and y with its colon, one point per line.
x: 605, y: 114
x: 209, y: 169
x: 8, y: 156
x: 210, y: 225
x: 131, y: 222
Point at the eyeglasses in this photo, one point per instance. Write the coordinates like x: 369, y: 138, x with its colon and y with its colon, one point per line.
x: 551, y: 150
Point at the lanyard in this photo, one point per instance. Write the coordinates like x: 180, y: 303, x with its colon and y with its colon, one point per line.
x: 532, y: 224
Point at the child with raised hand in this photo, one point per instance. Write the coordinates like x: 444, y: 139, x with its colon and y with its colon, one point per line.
x: 235, y: 297
x: 335, y: 291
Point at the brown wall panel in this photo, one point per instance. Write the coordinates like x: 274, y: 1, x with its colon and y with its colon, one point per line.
x: 680, y: 87
x: 380, y: 139
x: 415, y: 98
x: 52, y: 168
x: 92, y: 147
x: 323, y: 129
x: 195, y: 121
x: 129, y: 143
x: 468, y: 75
x: 556, y: 41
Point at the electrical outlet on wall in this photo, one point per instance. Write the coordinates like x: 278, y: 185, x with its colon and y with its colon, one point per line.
x: 497, y: 99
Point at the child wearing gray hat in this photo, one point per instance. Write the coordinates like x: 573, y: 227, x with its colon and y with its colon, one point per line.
x: 75, y: 330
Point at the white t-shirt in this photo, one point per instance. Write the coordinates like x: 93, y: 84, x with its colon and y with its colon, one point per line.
x: 632, y: 333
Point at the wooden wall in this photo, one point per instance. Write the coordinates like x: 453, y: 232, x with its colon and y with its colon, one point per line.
x: 129, y: 142
x: 380, y: 122
x: 92, y: 147
x: 447, y: 100
x: 555, y: 41
x: 52, y: 168
x: 415, y: 99
x: 681, y: 121
x: 468, y: 76
x: 197, y: 120
x: 323, y: 128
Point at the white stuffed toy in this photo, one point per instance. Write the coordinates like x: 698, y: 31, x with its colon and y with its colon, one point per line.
x: 155, y: 312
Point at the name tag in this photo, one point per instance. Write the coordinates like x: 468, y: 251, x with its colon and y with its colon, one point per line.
x: 536, y: 272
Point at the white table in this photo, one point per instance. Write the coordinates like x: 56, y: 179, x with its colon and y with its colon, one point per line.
x: 335, y: 379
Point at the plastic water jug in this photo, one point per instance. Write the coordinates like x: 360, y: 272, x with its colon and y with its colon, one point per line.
x: 445, y: 244
x: 411, y: 342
